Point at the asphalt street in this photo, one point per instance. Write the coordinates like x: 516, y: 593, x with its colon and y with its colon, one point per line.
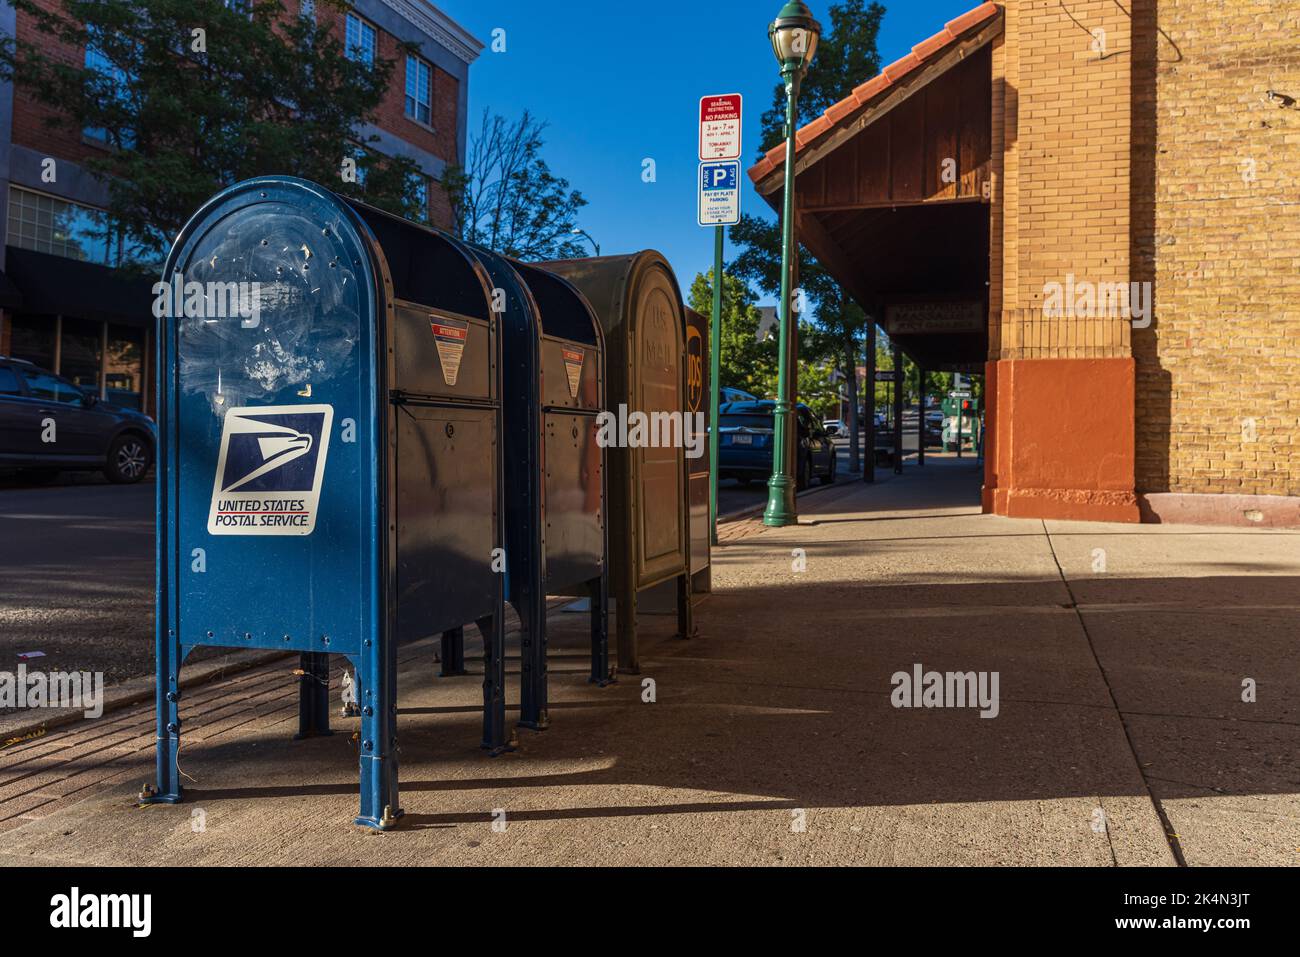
x: 77, y: 564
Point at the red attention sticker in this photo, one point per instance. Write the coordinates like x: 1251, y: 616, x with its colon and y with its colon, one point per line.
x: 449, y: 337
x: 450, y: 332
x: 573, y: 369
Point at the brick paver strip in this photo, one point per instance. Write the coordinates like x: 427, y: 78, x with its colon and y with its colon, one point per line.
x: 65, y: 764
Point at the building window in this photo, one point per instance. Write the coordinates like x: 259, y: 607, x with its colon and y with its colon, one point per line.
x: 240, y: 6
x: 49, y: 225
x: 120, y: 81
x: 307, y: 10
x: 33, y: 338
x: 360, y: 40
x: 79, y: 352
x: 420, y: 197
x: 124, y: 367
x: 419, y: 90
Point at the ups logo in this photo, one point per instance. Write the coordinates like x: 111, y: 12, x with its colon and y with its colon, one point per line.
x: 694, y: 368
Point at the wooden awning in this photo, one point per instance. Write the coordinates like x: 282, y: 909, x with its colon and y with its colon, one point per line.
x: 893, y: 185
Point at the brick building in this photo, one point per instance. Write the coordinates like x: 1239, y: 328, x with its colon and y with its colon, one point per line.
x: 64, y: 306
x: 1098, y: 206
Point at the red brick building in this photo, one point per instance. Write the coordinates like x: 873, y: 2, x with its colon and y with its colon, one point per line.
x: 62, y: 303
x: 1096, y: 204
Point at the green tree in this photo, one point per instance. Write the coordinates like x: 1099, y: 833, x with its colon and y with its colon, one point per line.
x: 846, y: 57
x: 507, y: 199
x: 189, y: 96
x: 745, y: 362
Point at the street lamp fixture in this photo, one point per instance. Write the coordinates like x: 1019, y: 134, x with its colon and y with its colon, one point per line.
x: 582, y: 232
x: 794, y: 35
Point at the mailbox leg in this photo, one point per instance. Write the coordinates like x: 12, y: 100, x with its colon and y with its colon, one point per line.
x: 493, y: 630
x: 532, y: 662
x: 685, y: 613
x: 313, y: 695
x: 453, y: 653
x: 168, y: 785
x: 626, y: 625
x: 376, y: 694
x: 600, y: 673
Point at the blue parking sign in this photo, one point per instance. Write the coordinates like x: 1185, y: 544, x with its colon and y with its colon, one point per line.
x: 719, y: 200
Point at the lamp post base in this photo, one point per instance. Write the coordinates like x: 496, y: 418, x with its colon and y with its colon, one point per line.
x: 781, y: 509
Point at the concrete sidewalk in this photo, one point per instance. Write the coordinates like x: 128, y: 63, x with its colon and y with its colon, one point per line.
x: 1121, y: 736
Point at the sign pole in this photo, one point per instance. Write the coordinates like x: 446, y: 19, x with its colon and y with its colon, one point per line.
x: 719, y: 207
x: 960, y: 409
x: 715, y: 382
x: 920, y: 423
x: 869, y: 463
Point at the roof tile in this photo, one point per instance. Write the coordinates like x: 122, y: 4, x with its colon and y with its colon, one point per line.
x: 968, y: 20
x: 843, y: 108
x: 871, y: 88
x: 933, y: 45
x: 901, y: 67
x: 812, y: 130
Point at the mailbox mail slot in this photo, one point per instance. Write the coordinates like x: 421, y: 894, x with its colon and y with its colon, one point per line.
x: 330, y: 456
x: 637, y: 301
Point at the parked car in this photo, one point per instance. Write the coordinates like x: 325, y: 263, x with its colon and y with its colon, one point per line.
x: 728, y: 394
x: 835, y: 428
x: 48, y: 425
x: 745, y: 435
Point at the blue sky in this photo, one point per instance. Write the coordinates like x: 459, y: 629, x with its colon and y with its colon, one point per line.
x: 623, y: 83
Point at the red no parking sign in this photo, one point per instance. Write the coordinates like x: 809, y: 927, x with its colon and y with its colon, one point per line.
x: 720, y: 127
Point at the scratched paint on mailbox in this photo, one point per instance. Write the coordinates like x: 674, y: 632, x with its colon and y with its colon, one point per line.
x: 269, y: 470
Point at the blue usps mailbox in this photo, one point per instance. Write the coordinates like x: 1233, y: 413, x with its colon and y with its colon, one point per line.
x: 330, y: 456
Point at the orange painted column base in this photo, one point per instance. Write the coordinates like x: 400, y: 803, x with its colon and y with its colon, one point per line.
x: 1060, y: 440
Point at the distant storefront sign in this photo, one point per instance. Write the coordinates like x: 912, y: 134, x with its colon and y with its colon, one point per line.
x: 919, y: 318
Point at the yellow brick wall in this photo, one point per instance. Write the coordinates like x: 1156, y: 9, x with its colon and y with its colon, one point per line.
x: 1062, y: 181
x: 1217, y: 222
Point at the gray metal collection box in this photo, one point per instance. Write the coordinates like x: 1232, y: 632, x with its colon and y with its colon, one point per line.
x: 637, y: 301
x: 553, y: 388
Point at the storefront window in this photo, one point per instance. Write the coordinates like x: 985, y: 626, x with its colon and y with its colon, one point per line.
x: 79, y: 355
x: 32, y: 338
x: 124, y: 366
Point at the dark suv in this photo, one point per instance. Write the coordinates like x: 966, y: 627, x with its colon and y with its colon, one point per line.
x: 48, y: 424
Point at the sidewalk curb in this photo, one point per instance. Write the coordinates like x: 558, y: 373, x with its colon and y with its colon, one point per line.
x: 136, y: 690
x: 750, y: 510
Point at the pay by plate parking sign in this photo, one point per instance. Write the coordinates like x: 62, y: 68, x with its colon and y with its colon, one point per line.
x: 719, y: 203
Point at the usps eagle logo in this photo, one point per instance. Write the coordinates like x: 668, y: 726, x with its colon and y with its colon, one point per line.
x: 269, y: 470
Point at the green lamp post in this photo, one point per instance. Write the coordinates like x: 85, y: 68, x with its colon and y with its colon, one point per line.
x: 794, y: 35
